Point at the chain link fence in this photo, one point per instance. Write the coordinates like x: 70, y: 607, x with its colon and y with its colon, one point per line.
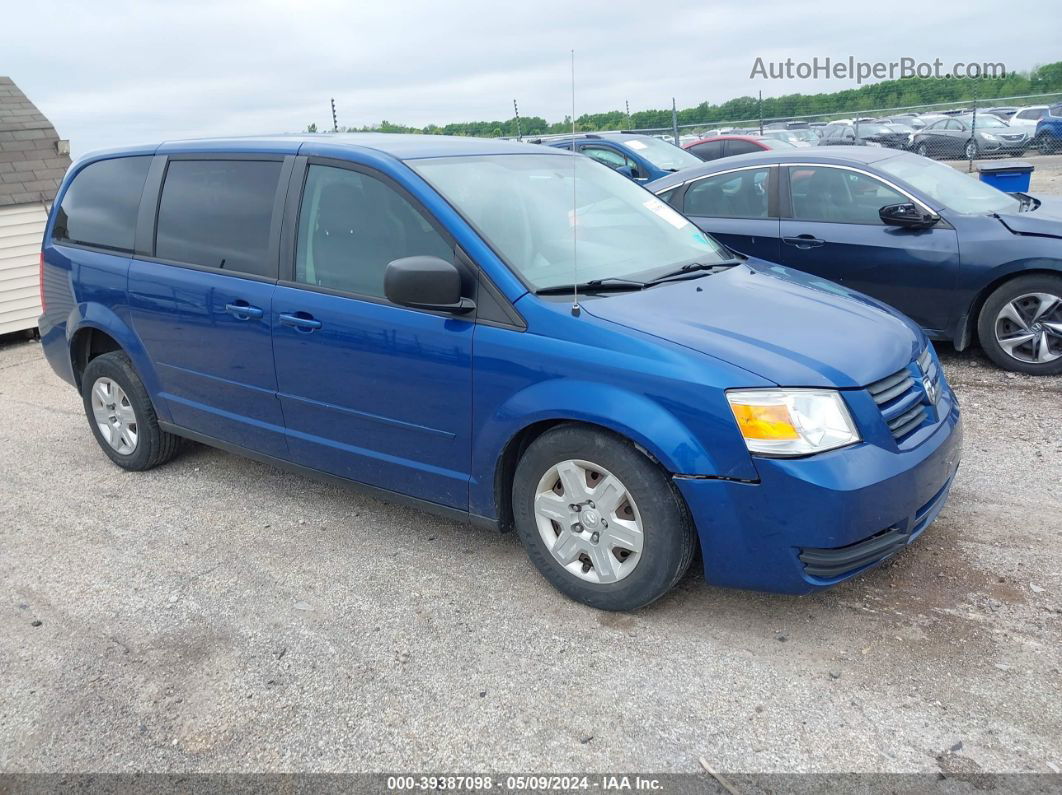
x: 969, y: 130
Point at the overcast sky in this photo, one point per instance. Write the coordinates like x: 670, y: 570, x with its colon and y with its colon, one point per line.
x: 114, y: 73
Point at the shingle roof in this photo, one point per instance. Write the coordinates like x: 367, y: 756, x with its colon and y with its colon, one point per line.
x: 30, y: 166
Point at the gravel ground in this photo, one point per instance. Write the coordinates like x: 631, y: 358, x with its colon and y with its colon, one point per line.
x: 1046, y: 177
x: 219, y: 615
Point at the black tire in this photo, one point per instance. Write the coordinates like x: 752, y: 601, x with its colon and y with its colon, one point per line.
x: 669, y: 539
x: 970, y: 150
x: 1045, y: 145
x: 922, y: 149
x: 154, y: 446
x: 1004, y: 294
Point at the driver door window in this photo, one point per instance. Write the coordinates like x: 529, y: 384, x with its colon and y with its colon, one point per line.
x: 351, y: 226
x: 833, y: 195
x: 610, y: 158
x: 734, y: 147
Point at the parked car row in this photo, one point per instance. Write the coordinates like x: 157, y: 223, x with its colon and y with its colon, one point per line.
x: 958, y: 133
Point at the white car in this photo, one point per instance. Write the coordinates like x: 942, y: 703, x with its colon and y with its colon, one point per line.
x: 1027, y: 117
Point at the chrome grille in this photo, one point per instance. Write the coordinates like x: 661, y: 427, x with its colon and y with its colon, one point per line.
x: 901, y: 398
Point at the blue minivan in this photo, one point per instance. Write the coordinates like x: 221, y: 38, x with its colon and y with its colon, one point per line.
x: 514, y: 336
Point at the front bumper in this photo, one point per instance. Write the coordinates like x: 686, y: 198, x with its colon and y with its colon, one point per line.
x: 814, y: 522
x: 1006, y: 146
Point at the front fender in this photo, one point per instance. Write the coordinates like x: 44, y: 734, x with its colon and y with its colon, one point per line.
x: 96, y: 316
x: 966, y: 328
x: 634, y: 416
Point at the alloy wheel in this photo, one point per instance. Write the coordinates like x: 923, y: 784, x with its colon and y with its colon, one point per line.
x: 1029, y: 328
x: 971, y: 150
x: 589, y: 521
x: 114, y: 416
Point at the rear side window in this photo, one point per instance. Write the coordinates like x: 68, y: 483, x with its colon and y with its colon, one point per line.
x: 101, y: 204
x: 217, y: 214
x: 708, y: 151
x: 739, y: 194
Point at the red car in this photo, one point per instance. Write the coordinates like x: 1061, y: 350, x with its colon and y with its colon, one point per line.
x: 718, y: 146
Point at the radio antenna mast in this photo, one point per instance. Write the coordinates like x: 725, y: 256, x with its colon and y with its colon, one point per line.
x: 575, y: 208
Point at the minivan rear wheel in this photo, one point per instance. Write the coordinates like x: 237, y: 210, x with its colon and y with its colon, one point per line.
x: 600, y: 520
x: 121, y: 416
x: 1020, y: 325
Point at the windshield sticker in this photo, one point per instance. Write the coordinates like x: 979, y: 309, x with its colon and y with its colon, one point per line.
x: 636, y: 145
x: 665, y: 212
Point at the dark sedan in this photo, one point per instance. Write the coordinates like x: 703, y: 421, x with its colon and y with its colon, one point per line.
x: 964, y: 260
x: 969, y: 137
x: 869, y: 133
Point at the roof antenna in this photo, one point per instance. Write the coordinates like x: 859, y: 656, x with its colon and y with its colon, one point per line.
x: 575, y: 209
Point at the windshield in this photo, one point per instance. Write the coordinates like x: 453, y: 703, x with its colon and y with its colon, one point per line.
x: 985, y: 120
x: 661, y: 154
x: 948, y: 187
x: 522, y: 206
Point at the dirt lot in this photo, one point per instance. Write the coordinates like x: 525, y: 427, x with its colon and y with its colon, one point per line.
x: 1046, y: 177
x: 216, y: 615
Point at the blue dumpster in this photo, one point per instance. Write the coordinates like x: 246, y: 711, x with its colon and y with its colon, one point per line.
x: 1009, y: 176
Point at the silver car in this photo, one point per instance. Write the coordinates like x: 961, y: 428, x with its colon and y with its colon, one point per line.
x: 970, y: 137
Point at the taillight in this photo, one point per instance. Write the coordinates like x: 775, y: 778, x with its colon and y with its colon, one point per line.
x: 42, y: 282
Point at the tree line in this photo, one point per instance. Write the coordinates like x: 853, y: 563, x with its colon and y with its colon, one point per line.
x: 906, y: 92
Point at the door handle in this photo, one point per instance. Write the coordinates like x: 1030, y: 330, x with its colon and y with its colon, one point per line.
x: 803, y: 241
x: 300, y: 322
x: 241, y: 310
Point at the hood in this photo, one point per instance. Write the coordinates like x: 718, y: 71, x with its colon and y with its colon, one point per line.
x: 1045, y: 220
x: 790, y: 328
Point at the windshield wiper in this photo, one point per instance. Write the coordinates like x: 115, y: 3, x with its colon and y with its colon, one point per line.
x: 612, y: 283
x: 694, y: 267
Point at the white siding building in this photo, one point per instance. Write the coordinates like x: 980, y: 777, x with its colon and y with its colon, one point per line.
x: 32, y: 163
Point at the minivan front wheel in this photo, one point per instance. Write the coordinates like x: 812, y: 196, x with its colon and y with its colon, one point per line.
x: 121, y: 416
x: 600, y: 520
x: 1020, y: 325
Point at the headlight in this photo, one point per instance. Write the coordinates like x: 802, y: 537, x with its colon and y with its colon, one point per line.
x: 988, y: 136
x: 792, y: 421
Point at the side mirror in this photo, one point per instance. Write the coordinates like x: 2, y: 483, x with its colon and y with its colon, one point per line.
x: 906, y: 214
x: 627, y: 171
x: 426, y: 283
